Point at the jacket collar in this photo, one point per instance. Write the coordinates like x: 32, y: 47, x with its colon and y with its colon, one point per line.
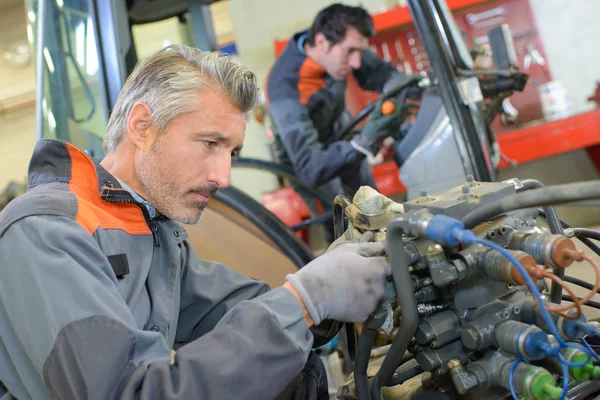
x: 58, y: 161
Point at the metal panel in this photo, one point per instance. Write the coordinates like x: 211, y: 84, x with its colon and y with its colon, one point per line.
x: 114, y: 39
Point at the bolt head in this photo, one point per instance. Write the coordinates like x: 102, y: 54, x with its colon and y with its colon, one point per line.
x: 469, y: 178
x: 470, y: 337
x: 454, y: 363
x: 423, y: 193
x: 465, y: 189
x: 505, y: 314
x: 433, y: 249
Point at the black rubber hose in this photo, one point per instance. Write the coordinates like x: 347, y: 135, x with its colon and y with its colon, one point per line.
x: 361, y: 363
x: 578, y: 282
x: 586, y: 233
x: 408, y: 304
x: 397, y: 88
x: 591, y: 245
x: 281, y: 171
x: 590, y: 303
x: 405, y: 372
x: 558, y: 194
x: 550, y: 212
x: 556, y: 228
x: 325, y: 217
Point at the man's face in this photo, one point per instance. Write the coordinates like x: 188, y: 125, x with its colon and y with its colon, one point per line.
x: 340, y: 59
x: 191, y: 159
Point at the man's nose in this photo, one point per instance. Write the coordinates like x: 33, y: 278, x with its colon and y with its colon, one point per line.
x: 354, y: 60
x: 220, y: 171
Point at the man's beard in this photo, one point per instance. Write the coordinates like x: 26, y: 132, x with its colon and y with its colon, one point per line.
x: 164, y: 195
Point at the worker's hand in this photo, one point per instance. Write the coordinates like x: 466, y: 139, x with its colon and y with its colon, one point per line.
x: 377, y: 128
x: 344, y: 284
x: 353, y: 235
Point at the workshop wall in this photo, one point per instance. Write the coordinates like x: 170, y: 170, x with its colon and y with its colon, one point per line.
x: 570, y: 31
x: 568, y: 36
x: 17, y: 94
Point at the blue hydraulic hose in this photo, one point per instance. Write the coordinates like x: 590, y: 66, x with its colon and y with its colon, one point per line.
x: 592, y: 351
x: 466, y: 236
x: 511, y: 379
x: 451, y: 232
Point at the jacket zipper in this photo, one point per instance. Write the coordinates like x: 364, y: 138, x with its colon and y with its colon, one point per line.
x: 115, y: 196
x: 123, y: 196
x: 154, y: 228
x: 149, y: 296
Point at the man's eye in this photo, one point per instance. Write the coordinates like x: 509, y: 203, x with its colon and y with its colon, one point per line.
x: 209, y: 144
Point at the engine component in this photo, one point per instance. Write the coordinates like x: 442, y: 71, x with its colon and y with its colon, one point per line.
x: 426, y: 309
x: 437, y: 359
x: 496, y: 369
x: 522, y: 340
x: 438, y: 329
x: 586, y: 371
x: 469, y: 304
x: 569, y: 329
x: 427, y: 294
x: 551, y: 250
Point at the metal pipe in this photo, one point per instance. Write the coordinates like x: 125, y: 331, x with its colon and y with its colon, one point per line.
x: 39, y: 68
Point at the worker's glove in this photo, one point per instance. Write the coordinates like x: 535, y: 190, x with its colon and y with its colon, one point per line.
x: 413, y: 91
x: 344, y: 284
x: 376, y: 129
x: 353, y: 235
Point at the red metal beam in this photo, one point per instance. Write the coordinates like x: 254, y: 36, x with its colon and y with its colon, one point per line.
x: 551, y: 138
x: 398, y: 16
x: 395, y: 18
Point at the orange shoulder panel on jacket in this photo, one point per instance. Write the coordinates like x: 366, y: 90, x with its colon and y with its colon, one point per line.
x: 92, y: 211
x: 311, y: 79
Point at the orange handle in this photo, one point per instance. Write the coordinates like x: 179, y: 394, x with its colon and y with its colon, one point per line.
x: 387, y: 107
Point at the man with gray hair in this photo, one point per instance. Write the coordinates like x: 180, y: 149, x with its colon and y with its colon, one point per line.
x: 98, y: 281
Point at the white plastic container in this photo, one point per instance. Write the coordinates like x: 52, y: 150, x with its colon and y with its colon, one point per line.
x: 555, y: 101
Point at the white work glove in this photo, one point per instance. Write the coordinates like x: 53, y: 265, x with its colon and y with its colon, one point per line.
x: 344, y: 284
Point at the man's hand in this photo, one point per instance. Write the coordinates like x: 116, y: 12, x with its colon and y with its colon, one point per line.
x: 344, y: 284
x: 352, y: 235
x: 377, y: 128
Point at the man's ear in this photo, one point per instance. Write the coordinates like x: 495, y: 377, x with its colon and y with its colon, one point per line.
x: 321, y: 42
x: 139, y: 126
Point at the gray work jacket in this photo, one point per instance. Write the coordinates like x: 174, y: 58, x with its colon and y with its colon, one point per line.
x: 94, y: 294
x: 308, y: 109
